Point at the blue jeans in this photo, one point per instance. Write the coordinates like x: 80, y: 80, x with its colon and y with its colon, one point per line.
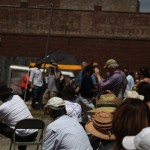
x: 37, y: 97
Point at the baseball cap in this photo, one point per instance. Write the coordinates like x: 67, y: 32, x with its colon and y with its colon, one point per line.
x: 55, y: 103
x: 141, y: 141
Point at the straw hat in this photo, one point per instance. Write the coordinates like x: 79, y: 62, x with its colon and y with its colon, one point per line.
x: 102, y: 109
x: 101, y: 126
x: 107, y: 100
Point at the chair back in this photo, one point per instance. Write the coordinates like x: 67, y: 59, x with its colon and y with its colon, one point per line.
x: 30, y: 123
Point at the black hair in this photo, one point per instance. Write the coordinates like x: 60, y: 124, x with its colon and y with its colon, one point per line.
x: 143, y: 88
x: 57, y: 113
x: 89, y: 69
x: 68, y: 93
x: 145, y: 72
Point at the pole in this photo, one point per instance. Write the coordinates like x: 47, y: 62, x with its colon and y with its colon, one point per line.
x: 49, y: 28
x: 48, y: 40
x: 49, y: 32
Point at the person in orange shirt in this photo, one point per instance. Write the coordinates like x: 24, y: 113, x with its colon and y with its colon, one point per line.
x: 25, y: 87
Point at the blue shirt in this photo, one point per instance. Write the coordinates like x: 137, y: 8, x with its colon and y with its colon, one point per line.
x: 65, y: 133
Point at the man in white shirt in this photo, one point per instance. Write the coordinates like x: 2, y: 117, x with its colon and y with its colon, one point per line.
x: 36, y: 79
x: 64, y: 133
x: 12, y: 110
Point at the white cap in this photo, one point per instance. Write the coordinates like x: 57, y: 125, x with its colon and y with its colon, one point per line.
x: 134, y: 95
x: 55, y: 103
x: 141, y: 141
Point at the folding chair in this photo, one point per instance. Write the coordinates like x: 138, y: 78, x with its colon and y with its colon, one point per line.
x: 29, y: 124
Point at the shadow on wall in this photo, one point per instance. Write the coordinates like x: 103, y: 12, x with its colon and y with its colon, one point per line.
x: 58, y: 56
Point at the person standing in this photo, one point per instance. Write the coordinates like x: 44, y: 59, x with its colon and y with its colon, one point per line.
x: 12, y: 110
x: 130, y: 81
x: 80, y: 76
x: 53, y: 83
x: 25, y: 87
x: 88, y: 92
x: 114, y: 81
x: 36, y: 80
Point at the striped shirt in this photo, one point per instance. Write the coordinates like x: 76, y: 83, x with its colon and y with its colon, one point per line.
x: 66, y: 133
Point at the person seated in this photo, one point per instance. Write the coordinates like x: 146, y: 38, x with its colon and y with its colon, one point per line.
x: 72, y: 107
x: 139, y: 141
x: 12, y: 110
x: 143, y: 88
x: 145, y: 74
x: 130, y: 117
x: 108, y: 99
x: 64, y: 133
x: 100, y: 127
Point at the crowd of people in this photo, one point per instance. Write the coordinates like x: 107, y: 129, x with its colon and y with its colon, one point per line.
x: 90, y: 111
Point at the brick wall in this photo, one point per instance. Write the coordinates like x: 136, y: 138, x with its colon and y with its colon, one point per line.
x: 88, y: 35
x: 75, y: 23
x: 132, y: 53
x: 107, y: 5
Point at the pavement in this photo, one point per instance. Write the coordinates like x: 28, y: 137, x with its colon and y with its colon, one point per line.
x: 5, y: 144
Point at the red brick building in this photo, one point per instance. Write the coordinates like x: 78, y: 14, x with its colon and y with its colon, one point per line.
x: 91, y: 35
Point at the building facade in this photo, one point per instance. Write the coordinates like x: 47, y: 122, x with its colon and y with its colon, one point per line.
x: 37, y: 29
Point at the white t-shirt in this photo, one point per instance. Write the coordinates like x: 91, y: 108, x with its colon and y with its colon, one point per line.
x: 36, y: 77
x: 73, y: 110
x: 130, y: 84
x: 13, y: 110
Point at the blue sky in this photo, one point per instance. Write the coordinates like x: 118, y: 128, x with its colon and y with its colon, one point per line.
x: 145, y: 6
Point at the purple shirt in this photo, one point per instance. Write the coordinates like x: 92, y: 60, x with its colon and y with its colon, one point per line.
x: 113, y: 83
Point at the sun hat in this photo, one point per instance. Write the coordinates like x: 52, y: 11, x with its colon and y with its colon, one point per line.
x: 4, y: 90
x: 111, y: 63
x: 134, y: 95
x: 102, y: 109
x: 101, y: 126
x: 55, y: 103
x: 106, y: 100
x: 140, y: 141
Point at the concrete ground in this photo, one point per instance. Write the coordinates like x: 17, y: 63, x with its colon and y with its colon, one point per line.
x: 5, y: 144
